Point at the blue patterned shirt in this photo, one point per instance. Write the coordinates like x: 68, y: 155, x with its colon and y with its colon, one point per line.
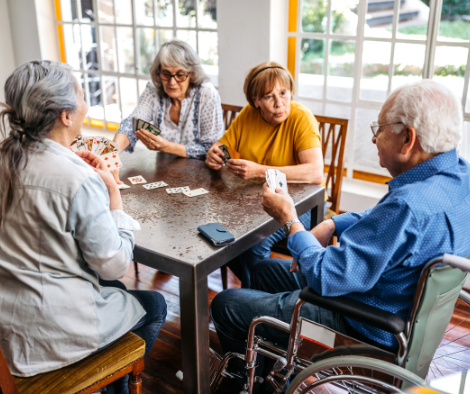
x: 200, y: 123
x: 425, y: 214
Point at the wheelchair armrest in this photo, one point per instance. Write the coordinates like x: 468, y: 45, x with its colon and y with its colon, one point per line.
x: 356, y: 310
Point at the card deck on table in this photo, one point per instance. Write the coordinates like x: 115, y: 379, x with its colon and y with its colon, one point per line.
x: 137, y: 179
x: 123, y: 186
x: 138, y: 124
x: 196, y: 192
x: 276, y: 180
x: 155, y: 185
x: 175, y: 190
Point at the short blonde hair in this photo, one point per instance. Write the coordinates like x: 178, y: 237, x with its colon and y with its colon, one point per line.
x: 262, y: 79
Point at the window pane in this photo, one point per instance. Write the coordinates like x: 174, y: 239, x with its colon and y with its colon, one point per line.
x: 95, y: 110
x: 72, y: 45
x: 414, y: 23
x: 375, y: 61
x: 81, y: 81
x: 144, y: 12
x: 408, y: 64
x: 379, y: 19
x: 314, y: 15
x: 208, y: 48
x: 365, y: 152
x: 464, y: 148
x: 164, y: 12
x: 113, y: 113
x: 108, y: 48
x: 142, y: 85
x: 344, y: 17
x: 163, y: 35
x: 189, y: 36
x: 340, y: 70
x: 449, y: 67
x: 207, y: 14
x: 106, y: 11
x: 315, y: 106
x: 88, y: 13
x: 69, y: 10
x: 123, y: 11
x: 90, y: 47
x: 311, y: 77
x: 125, y: 40
x: 186, y: 16
x: 455, y: 24
x: 147, y: 49
x: 129, y: 99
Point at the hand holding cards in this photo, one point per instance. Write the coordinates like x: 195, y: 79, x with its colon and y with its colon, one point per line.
x: 276, y: 180
x: 138, y: 124
x: 101, y: 146
x: 229, y: 153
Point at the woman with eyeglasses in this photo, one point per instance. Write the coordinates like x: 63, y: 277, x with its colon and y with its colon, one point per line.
x: 181, y: 102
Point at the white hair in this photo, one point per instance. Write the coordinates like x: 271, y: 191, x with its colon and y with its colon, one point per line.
x: 432, y: 110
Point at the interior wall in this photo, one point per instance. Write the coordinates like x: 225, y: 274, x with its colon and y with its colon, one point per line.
x: 7, y: 56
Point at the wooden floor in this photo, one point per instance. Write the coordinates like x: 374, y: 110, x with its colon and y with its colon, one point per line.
x: 164, y: 359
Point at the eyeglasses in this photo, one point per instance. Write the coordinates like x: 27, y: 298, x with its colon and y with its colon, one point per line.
x: 375, y: 127
x: 166, y: 76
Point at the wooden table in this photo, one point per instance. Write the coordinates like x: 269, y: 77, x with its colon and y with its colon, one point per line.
x: 169, y: 240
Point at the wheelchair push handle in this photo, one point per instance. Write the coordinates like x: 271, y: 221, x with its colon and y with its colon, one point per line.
x: 457, y: 262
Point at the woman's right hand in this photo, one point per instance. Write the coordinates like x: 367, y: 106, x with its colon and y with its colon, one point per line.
x: 214, y: 158
x: 100, y: 168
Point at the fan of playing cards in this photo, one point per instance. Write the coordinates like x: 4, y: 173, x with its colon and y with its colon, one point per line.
x: 103, y: 147
x: 138, y: 124
x: 276, y: 180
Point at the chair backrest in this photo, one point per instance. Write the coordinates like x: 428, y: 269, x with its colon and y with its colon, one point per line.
x: 229, y: 114
x: 7, y: 384
x: 438, y: 290
x: 333, y: 141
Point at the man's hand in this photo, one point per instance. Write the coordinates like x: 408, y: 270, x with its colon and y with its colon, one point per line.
x: 278, y: 205
x: 244, y: 169
x: 152, y: 142
x: 214, y: 158
x: 324, y: 231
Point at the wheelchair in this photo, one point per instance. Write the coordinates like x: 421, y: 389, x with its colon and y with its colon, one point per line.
x: 344, y: 364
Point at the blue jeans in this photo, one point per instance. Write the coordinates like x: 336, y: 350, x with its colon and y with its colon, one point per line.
x: 274, y: 291
x: 242, y: 266
x: 147, y: 328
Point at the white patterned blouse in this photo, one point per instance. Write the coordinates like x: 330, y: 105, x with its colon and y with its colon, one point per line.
x: 200, y: 123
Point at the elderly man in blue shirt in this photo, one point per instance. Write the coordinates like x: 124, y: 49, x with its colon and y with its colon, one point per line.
x: 425, y: 214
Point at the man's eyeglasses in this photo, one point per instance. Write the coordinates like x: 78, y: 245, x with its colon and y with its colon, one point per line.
x: 179, y: 77
x: 375, y: 127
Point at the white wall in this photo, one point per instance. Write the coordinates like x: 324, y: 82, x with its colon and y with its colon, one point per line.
x: 7, y: 56
x: 250, y: 32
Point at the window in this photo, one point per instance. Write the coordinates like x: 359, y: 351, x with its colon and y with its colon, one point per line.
x: 111, y: 45
x: 348, y: 55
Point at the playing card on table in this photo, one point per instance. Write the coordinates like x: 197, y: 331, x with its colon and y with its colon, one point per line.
x: 112, y: 161
x: 137, y: 179
x: 196, y: 192
x: 155, y: 185
x: 123, y: 186
x: 175, y: 190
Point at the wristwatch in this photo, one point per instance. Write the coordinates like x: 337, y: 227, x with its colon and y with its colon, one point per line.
x: 286, y: 228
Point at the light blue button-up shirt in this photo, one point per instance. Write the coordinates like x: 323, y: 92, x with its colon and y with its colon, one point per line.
x: 425, y: 214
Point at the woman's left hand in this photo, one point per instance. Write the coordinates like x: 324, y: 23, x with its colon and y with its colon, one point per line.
x: 152, y: 142
x: 244, y: 169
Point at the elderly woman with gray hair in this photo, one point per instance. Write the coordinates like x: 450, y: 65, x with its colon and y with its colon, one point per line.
x: 181, y: 102
x: 53, y: 246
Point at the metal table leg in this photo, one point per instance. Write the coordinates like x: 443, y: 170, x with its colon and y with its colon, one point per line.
x: 195, y: 332
x: 317, y: 211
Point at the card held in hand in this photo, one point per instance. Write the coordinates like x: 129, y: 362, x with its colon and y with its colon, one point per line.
x: 101, y: 146
x: 138, y: 124
x: 276, y: 180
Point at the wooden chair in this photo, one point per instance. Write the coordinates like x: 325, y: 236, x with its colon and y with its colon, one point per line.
x: 125, y: 356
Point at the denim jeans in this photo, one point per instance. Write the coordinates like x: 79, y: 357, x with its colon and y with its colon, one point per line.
x: 242, y: 266
x: 274, y: 291
x: 147, y: 328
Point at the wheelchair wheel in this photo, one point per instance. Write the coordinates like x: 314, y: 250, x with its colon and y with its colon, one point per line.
x: 453, y: 353
x: 352, y: 374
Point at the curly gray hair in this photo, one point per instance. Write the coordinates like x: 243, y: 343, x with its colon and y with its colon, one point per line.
x: 177, y: 53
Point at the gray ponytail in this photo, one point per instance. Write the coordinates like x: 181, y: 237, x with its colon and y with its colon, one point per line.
x: 36, y: 94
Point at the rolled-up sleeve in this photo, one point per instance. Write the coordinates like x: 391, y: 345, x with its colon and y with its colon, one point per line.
x: 107, y: 249
x: 211, y: 124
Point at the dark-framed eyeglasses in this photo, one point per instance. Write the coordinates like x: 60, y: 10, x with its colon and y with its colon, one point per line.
x: 375, y: 126
x: 179, y: 77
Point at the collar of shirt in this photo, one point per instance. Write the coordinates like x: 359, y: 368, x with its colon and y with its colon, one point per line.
x: 425, y: 170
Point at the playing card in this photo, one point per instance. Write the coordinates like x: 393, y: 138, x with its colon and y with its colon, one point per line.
x: 137, y: 179
x: 196, y: 192
x: 151, y: 128
x: 175, y: 190
x: 81, y: 146
x: 276, y: 180
x: 123, y: 186
x: 112, y: 161
x: 88, y: 143
x: 155, y: 185
x: 233, y: 153
x: 111, y: 146
x: 74, y: 144
x: 227, y: 156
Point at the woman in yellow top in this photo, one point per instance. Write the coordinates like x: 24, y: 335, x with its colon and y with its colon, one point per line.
x: 271, y: 131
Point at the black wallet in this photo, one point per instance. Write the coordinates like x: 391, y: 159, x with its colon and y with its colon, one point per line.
x: 217, y: 234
